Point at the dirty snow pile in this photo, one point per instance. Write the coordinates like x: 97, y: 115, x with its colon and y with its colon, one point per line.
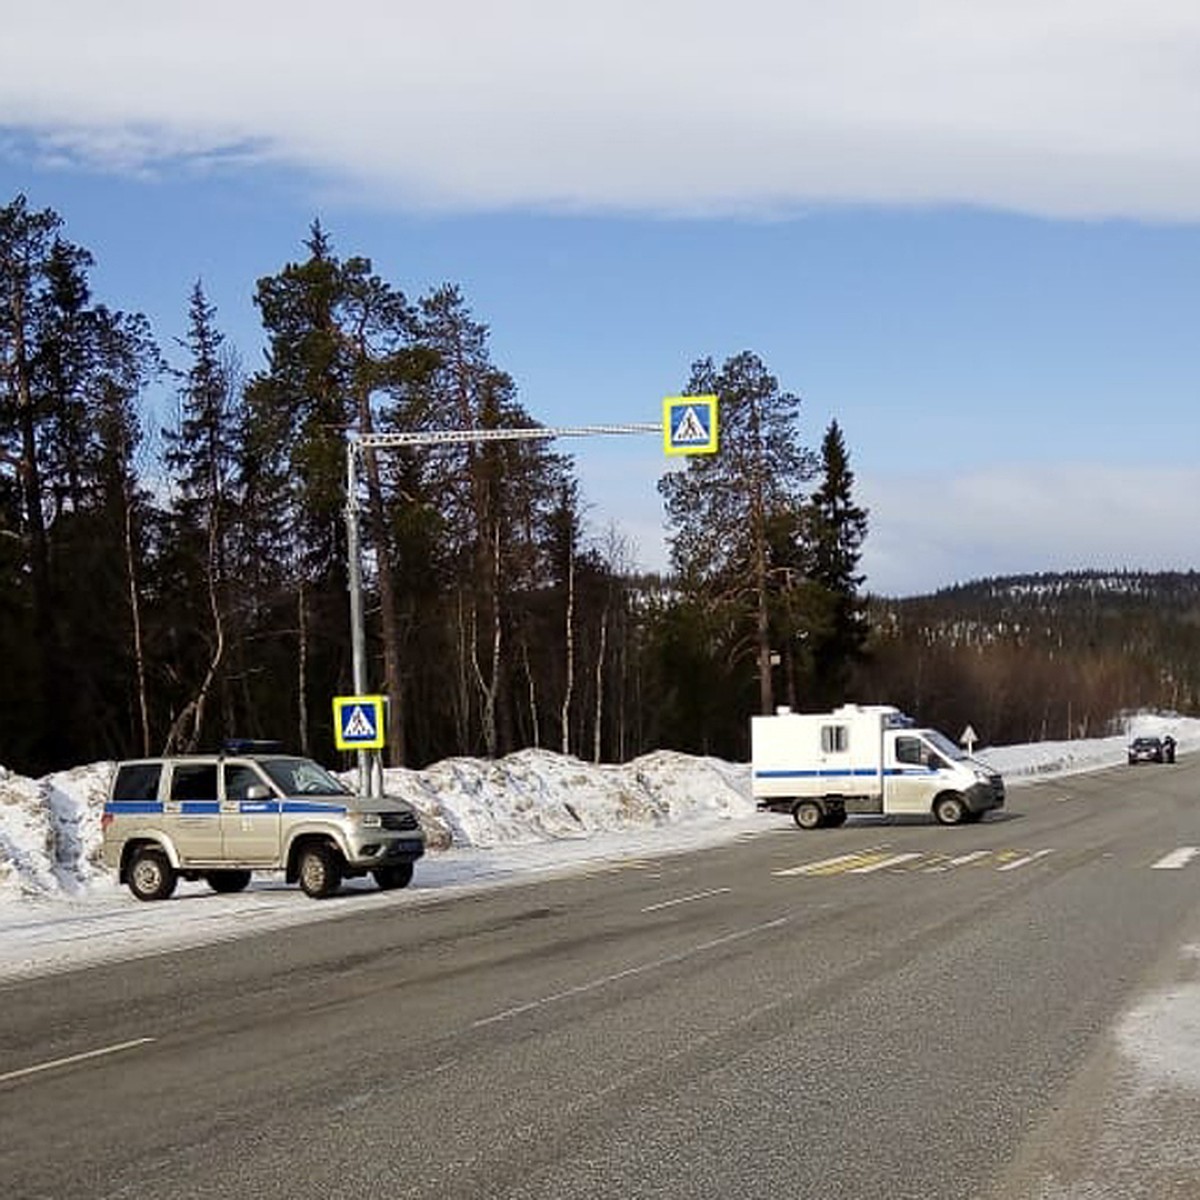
x: 50, y: 828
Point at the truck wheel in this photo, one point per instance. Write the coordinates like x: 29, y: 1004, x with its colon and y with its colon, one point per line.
x: 808, y: 815
x: 227, y: 881
x: 389, y: 878
x: 151, y: 876
x: 320, y: 871
x: 949, y: 808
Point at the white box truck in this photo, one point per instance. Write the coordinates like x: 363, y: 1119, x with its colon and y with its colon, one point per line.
x: 865, y: 759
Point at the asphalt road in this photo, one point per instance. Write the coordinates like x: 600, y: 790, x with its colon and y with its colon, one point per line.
x: 883, y: 1010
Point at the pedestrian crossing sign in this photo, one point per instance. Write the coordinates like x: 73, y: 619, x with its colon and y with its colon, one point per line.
x: 690, y: 425
x: 358, y: 722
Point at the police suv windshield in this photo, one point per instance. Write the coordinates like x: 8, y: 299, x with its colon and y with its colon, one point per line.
x: 301, y: 777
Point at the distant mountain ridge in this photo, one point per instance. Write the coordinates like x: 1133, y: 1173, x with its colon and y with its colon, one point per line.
x: 1173, y: 587
x: 1046, y: 655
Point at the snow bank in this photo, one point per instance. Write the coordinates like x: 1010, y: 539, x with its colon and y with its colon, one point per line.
x: 1088, y: 754
x: 536, y: 796
x: 50, y: 828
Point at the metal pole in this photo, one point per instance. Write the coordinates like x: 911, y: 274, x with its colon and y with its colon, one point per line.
x: 358, y: 637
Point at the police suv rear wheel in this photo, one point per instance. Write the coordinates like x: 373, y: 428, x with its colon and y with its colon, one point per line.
x: 320, y: 871
x: 151, y: 876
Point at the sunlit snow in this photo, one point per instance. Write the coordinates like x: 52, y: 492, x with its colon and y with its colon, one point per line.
x: 488, y: 823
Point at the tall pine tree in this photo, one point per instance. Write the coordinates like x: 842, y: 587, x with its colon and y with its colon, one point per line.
x: 836, y: 529
x: 723, y: 508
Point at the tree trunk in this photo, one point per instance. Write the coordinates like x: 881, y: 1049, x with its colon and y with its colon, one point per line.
x: 599, y: 715
x: 302, y: 669
x: 569, y: 685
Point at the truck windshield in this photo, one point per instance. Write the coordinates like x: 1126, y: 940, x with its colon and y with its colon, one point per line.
x: 943, y: 745
x: 302, y: 777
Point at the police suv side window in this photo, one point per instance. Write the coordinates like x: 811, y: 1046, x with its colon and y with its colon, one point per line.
x: 238, y: 779
x: 137, y: 781
x: 194, y: 781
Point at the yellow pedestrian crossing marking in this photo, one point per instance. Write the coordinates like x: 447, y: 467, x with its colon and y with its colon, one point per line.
x: 873, y: 859
x: 892, y: 860
x: 882, y: 858
x: 835, y: 866
x: 945, y: 863
x: 1014, y: 863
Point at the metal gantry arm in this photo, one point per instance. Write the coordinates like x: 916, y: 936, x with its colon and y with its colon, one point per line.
x: 357, y: 444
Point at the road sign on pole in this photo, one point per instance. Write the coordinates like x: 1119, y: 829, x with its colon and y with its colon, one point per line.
x: 690, y: 425
x: 358, y: 722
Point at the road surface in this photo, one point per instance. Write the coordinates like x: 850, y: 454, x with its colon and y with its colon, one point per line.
x: 884, y: 1010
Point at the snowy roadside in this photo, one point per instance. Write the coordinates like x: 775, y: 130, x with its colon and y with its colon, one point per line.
x: 489, y: 823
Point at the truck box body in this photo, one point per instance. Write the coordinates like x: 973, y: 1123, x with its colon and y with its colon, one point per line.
x: 864, y: 759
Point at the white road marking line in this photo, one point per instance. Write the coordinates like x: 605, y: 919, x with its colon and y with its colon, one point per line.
x: 74, y: 1058
x: 685, y: 899
x: 891, y: 861
x: 1176, y: 859
x: 960, y: 860
x: 594, y: 984
x: 1025, y: 861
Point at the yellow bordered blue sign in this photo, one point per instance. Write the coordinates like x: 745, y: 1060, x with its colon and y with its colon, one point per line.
x: 358, y: 722
x: 690, y: 425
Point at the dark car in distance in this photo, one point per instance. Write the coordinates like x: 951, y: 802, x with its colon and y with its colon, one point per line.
x: 1151, y: 749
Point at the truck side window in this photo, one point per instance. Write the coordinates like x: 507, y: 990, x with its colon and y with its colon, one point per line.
x: 835, y: 739
x: 909, y: 750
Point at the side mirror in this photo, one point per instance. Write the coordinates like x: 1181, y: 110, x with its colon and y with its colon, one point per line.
x: 258, y: 791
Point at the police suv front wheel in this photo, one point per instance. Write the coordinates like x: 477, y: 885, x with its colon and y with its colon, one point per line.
x: 320, y: 871
x: 151, y: 876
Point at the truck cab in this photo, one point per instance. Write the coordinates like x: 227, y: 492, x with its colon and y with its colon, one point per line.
x: 865, y: 759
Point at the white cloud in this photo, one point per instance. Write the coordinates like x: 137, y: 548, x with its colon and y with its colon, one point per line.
x: 1065, y: 107
x: 927, y: 532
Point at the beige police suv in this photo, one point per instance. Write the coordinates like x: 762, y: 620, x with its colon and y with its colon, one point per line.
x: 218, y: 817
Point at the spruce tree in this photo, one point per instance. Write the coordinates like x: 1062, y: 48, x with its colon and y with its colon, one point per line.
x: 199, y: 551
x: 836, y: 529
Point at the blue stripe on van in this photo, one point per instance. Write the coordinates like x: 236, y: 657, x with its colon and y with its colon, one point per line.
x: 847, y: 773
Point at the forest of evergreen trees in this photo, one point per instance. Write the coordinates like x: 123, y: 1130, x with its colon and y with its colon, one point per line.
x: 162, y: 593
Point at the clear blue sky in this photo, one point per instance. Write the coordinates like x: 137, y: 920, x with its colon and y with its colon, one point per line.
x: 959, y: 236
